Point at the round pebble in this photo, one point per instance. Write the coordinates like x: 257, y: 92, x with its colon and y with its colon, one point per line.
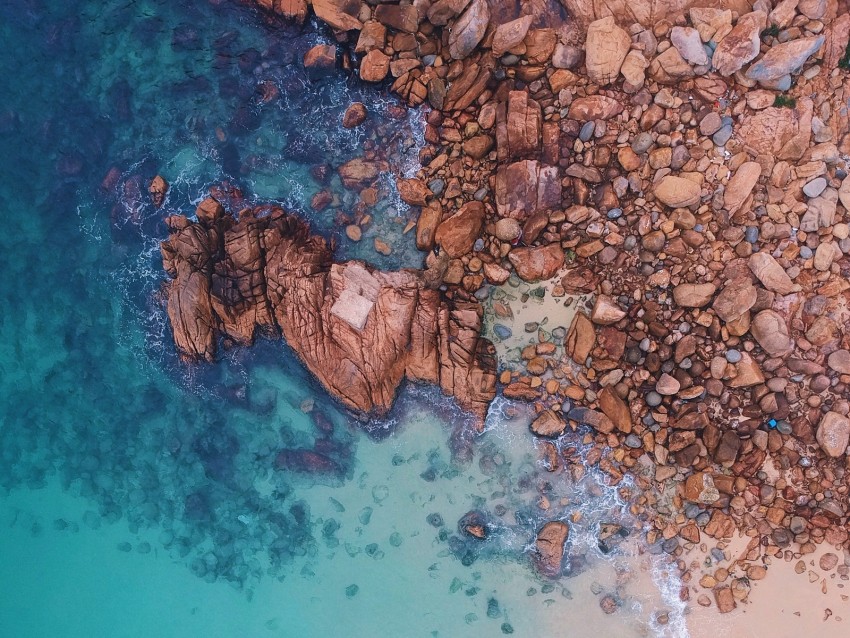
x: 733, y: 356
x: 653, y: 399
x: 615, y: 213
x: 586, y: 131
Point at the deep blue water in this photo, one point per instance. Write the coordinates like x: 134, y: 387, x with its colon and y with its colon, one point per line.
x: 137, y: 494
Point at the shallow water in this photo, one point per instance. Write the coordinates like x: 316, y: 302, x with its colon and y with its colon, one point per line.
x: 137, y: 494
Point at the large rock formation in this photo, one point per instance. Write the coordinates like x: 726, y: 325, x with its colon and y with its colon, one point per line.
x: 359, y: 331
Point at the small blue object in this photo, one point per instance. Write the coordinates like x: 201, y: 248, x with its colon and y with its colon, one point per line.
x: 772, y: 423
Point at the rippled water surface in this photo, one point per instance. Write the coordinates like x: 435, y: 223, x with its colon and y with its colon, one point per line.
x: 137, y: 494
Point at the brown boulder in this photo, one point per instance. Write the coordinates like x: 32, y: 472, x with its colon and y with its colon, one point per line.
x: 360, y: 332
x: 413, y: 191
x: 771, y: 274
x: 741, y: 45
x: 320, y: 59
x: 549, y: 548
x: 374, y: 66
x: 548, y: 424
x: 606, y: 47
x: 426, y: 227
x: 509, y: 35
x: 840, y: 361
x: 606, y: 311
x: 355, y: 115
x: 519, y: 126
x: 458, y: 233
x: 158, y: 189
x: 615, y: 409
x: 771, y: 331
x: 693, y: 295
x: 361, y: 173
x: 401, y: 17
x: 677, y: 192
x: 581, y: 338
x: 526, y: 187
x: 735, y: 300
x: 833, y: 434
x: 741, y: 185
x: 339, y: 14
x: 469, y: 29
x: 595, y: 107
x: 538, y: 263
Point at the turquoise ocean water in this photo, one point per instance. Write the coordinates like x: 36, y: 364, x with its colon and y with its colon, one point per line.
x: 137, y: 494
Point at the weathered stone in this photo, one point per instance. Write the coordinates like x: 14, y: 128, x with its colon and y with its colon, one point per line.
x: 469, y: 29
x: 320, y: 58
x: 158, y: 189
x: 833, y: 434
x: 413, y: 191
x: 689, y: 45
x: 458, y: 233
x: 771, y: 331
x: 595, y: 419
x: 694, y: 295
x: 784, y: 58
x: 839, y: 361
x: 741, y: 185
x: 510, y: 34
x: 581, y: 338
x: 741, y: 45
x: 374, y: 66
x: 677, y: 192
x: 360, y: 332
x: 606, y: 46
x: 595, y: 107
x: 724, y: 598
x: 736, y: 299
x: 549, y: 548
x: 667, y: 385
x: 771, y: 274
x: 615, y: 409
x: 354, y: 115
x: 339, y: 14
x: 606, y: 311
x: 747, y: 373
x: 634, y: 68
x: 519, y: 131
x: 526, y: 187
x: 426, y: 227
x: 538, y: 263
x: 548, y: 424
x: 401, y: 17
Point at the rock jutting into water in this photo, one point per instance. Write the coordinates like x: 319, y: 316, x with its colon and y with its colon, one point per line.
x: 359, y: 331
x: 685, y: 168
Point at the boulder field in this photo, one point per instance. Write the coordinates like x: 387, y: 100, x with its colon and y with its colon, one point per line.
x: 681, y: 163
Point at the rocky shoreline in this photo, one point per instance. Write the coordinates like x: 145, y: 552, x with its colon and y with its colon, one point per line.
x: 682, y: 165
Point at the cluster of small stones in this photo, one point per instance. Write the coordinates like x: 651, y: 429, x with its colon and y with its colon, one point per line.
x: 690, y: 178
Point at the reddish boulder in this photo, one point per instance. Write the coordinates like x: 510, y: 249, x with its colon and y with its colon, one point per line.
x: 158, y: 189
x: 320, y: 59
x: 538, y: 263
x: 549, y: 548
x: 525, y: 187
x: 355, y: 115
x: 458, y: 233
x: 374, y: 66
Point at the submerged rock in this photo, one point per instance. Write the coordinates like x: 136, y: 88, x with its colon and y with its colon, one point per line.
x: 549, y: 547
